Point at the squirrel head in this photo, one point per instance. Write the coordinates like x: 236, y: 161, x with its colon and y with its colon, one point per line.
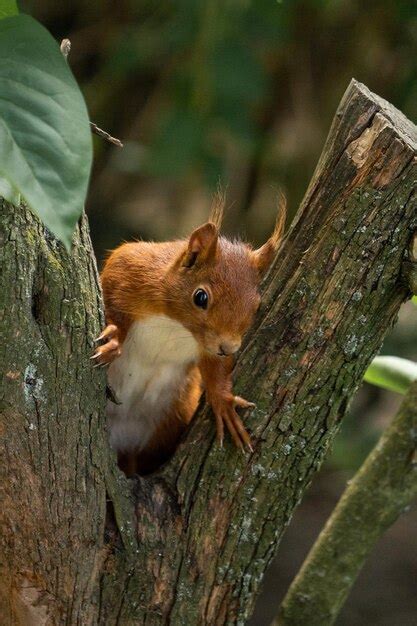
x: 213, y: 286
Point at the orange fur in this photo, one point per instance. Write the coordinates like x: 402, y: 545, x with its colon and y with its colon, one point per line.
x: 144, y: 279
x: 266, y: 253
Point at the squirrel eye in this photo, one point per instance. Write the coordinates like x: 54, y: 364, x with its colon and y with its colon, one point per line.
x: 200, y: 298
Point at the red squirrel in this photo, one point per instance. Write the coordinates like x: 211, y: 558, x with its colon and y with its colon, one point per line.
x: 176, y: 313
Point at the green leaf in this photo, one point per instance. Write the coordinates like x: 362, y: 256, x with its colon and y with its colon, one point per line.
x: 414, y: 299
x: 8, y: 8
x: 8, y: 193
x: 45, y: 138
x: 392, y: 373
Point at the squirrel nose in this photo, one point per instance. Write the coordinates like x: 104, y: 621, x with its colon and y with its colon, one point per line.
x: 229, y: 347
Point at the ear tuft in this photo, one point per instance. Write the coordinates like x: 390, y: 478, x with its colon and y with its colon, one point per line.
x: 217, y: 207
x: 202, y: 245
x: 265, y: 254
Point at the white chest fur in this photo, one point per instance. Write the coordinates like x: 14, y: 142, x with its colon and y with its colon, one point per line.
x: 146, y: 379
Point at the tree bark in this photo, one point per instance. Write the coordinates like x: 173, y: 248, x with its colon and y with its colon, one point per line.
x: 190, y: 544
x: 384, y: 487
x: 52, y: 487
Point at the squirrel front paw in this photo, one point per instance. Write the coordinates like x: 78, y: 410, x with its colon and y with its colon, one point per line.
x: 224, y: 409
x: 111, y: 349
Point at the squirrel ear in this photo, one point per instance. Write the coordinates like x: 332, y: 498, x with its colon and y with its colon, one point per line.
x: 202, y: 245
x: 264, y: 255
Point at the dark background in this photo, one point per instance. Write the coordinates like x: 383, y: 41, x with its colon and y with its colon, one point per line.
x: 243, y: 92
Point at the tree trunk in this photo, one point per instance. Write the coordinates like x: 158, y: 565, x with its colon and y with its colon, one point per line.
x: 190, y: 544
x: 52, y: 483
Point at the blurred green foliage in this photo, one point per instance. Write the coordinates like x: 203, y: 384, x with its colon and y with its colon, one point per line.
x: 8, y: 8
x: 237, y: 91
x: 392, y: 373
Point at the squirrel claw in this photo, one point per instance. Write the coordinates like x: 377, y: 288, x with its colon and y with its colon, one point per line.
x: 107, y: 352
x: 225, y: 413
x: 107, y: 333
x: 244, y: 404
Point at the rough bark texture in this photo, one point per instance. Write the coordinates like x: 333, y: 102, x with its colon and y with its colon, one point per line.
x: 52, y: 489
x: 383, y: 488
x: 191, y: 544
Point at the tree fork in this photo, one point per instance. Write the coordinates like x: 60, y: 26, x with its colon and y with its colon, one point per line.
x: 190, y: 544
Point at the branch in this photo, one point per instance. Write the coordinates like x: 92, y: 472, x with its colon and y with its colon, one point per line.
x: 382, y: 489
x: 65, y: 49
x: 104, y: 135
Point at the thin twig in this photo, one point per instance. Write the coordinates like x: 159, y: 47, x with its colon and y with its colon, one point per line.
x: 102, y: 133
x: 65, y: 49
